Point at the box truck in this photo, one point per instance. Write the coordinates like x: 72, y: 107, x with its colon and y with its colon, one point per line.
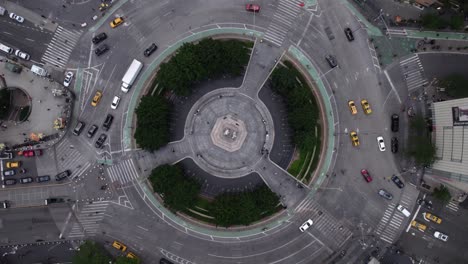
x: 131, y: 75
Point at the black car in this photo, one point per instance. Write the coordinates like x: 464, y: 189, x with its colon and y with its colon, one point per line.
x: 44, y: 178
x: 78, y: 128
x: 165, y: 261
x: 101, y: 50
x: 108, y: 122
x: 385, y: 194
x: 9, y: 182
x: 150, y: 50
x: 394, y: 144
x: 63, y: 175
x: 5, y: 204
x: 331, y: 61
x: 26, y: 180
x: 102, y: 138
x: 54, y: 200
x: 395, y: 122
x: 398, y: 182
x: 99, y: 38
x: 92, y: 130
x: 349, y: 34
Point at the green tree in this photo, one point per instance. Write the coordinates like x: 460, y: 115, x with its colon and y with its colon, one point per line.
x: 91, y: 253
x: 418, y: 125
x: 4, y: 103
x: 456, y: 85
x: 442, y: 193
x: 125, y: 260
x: 423, y: 150
x: 152, y: 130
x: 433, y: 21
x: 456, y: 22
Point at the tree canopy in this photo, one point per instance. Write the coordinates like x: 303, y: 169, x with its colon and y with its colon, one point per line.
x: 4, y: 103
x: 442, y: 193
x: 152, y: 130
x: 420, y: 146
x: 91, y: 253
x: 456, y: 85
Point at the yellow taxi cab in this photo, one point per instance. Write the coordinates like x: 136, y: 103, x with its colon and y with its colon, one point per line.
x: 352, y: 107
x: 114, y: 23
x: 119, y: 246
x: 366, y: 107
x: 96, y: 98
x: 418, y: 225
x: 430, y: 217
x: 354, y: 138
x: 131, y: 255
x: 13, y: 164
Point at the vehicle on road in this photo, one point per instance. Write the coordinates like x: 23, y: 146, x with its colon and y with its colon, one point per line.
x: 14, y: 16
x: 131, y: 255
x: 92, y: 130
x: 99, y: 38
x: 9, y: 173
x: 78, y: 128
x: 395, y: 123
x: 22, y: 55
x: 418, y: 225
x: 403, y: 210
x: 9, y: 182
x: 26, y: 180
x: 394, y: 145
x: 165, y: 261
x: 100, y: 141
x: 39, y: 71
x: 115, y: 102
x: 44, y: 178
x: 385, y: 194
x: 150, y: 50
x: 381, y: 143
x: 331, y: 61
x: 366, y: 106
x: 306, y: 225
x: 101, y: 50
x: 32, y: 153
x: 349, y: 34
x: 430, y: 217
x: 116, y: 22
x: 354, y: 138
x: 96, y: 98
x: 440, y: 236
x: 54, y: 200
x: 108, y: 122
x: 4, y: 204
x: 352, y: 107
x: 130, y: 75
x: 6, y: 155
x: 68, y: 78
x: 397, y: 181
x: 366, y: 175
x: 120, y: 246
x: 13, y: 164
x: 63, y: 175
x: 252, y: 8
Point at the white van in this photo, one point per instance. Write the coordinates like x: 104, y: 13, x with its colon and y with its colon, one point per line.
x: 403, y: 210
x: 38, y: 70
x: 6, y: 49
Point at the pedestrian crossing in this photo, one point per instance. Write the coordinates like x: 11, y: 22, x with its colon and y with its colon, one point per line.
x: 413, y: 72
x: 61, y: 46
x: 285, y: 15
x: 89, y: 217
x: 390, y: 224
x: 123, y: 172
x: 398, y: 32
x: 332, y: 230
x: 67, y: 156
x: 452, y: 205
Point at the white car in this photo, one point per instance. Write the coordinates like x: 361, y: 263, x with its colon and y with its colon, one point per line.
x: 381, y: 143
x: 16, y: 17
x: 22, y: 55
x: 440, y: 236
x: 306, y: 225
x: 403, y: 210
x: 115, y: 102
x: 68, y: 78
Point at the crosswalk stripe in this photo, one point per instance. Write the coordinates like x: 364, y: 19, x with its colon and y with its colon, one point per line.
x: 61, y: 46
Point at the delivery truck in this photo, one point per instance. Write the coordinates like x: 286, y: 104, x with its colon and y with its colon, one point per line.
x: 131, y: 75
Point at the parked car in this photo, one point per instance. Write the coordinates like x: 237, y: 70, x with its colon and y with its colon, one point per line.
x: 398, y: 182
x: 63, y: 175
x: 9, y: 182
x: 349, y: 34
x: 252, y: 8
x: 116, y: 22
x: 68, y: 78
x: 120, y: 246
x: 101, y: 50
x: 394, y: 145
x: 385, y: 194
x: 366, y: 175
x: 395, y: 122
x: 102, y: 138
x: 44, y: 178
x: 331, y: 61
x: 381, y: 143
x: 306, y: 225
x: 14, y: 16
x: 9, y: 173
x: 150, y: 50
x: 440, y: 236
x: 26, y: 180
x: 99, y: 38
x: 92, y: 130
x: 22, y: 55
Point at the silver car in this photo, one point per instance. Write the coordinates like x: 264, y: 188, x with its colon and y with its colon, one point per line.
x: 9, y: 173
